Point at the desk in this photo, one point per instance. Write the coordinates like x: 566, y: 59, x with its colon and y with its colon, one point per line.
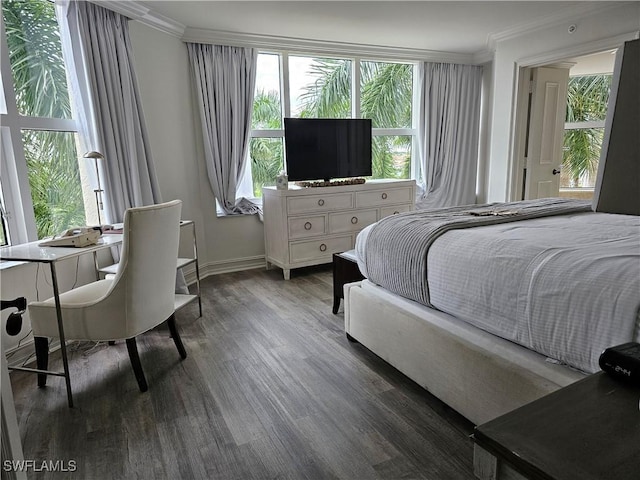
x: 32, y: 252
x: 588, y: 430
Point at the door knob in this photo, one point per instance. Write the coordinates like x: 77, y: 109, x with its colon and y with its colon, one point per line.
x: 555, y: 171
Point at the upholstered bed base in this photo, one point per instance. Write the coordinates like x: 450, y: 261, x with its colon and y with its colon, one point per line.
x: 477, y: 374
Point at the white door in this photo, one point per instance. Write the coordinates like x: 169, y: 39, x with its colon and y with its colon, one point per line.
x: 545, y: 132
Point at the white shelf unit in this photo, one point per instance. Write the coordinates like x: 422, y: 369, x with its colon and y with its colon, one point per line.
x: 306, y: 226
x: 181, y: 299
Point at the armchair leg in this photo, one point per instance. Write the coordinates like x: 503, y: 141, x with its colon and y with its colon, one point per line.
x: 132, y: 348
x: 171, y: 322
x: 42, y: 358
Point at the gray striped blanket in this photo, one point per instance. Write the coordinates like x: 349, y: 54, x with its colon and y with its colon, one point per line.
x: 397, y: 246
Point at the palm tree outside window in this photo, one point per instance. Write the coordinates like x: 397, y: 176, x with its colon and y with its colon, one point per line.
x: 587, y: 100
x: 38, y: 127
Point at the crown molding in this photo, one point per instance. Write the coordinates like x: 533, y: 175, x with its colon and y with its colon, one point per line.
x: 137, y: 11
x: 301, y: 45
x: 483, y: 56
x: 569, y: 14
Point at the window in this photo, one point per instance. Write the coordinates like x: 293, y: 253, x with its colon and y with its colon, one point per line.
x: 266, y: 148
x: 386, y: 98
x: 45, y: 184
x: 587, y: 99
x: 322, y: 87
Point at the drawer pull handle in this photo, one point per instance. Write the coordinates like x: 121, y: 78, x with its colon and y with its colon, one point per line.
x: 321, y: 202
x: 354, y: 220
x: 323, y: 247
x: 396, y: 212
x: 384, y: 196
x: 307, y: 226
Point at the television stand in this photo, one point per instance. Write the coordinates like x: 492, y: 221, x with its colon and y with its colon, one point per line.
x: 331, y: 183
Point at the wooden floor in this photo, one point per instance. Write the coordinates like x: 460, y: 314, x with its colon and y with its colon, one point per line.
x: 271, y: 389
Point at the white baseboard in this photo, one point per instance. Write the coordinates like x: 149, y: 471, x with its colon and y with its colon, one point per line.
x: 223, y: 266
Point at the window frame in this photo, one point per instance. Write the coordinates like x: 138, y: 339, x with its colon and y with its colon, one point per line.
x: 18, y: 204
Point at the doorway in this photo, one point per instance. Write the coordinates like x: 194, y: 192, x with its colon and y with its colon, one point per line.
x: 560, y: 114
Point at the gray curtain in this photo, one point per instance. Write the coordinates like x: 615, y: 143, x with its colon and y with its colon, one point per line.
x: 108, y: 108
x: 225, y: 79
x: 107, y: 100
x: 448, y: 135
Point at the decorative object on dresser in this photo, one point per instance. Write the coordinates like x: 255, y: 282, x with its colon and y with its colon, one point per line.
x: 282, y: 181
x: 305, y: 226
x: 331, y: 183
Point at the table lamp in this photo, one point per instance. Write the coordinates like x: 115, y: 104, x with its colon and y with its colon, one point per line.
x: 98, y: 191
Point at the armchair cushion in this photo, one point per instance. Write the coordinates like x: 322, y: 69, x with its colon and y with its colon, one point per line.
x: 81, y: 321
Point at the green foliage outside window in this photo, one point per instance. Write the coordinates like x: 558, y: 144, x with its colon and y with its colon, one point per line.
x: 587, y: 99
x: 55, y: 185
x: 40, y: 84
x: 329, y: 96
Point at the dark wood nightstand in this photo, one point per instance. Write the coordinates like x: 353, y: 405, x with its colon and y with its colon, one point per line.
x: 345, y: 270
x: 585, y: 431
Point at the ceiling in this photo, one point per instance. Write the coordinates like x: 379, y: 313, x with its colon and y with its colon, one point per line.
x: 445, y: 26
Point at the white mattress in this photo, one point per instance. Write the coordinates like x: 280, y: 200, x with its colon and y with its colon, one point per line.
x: 565, y: 286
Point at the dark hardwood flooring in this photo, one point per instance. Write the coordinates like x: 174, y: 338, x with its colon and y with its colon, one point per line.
x: 271, y: 389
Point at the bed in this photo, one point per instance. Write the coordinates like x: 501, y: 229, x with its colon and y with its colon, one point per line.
x: 490, y: 307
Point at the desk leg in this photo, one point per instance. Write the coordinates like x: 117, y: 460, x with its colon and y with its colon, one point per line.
x: 63, y: 344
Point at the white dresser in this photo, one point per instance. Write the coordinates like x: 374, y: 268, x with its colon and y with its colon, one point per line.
x: 306, y: 226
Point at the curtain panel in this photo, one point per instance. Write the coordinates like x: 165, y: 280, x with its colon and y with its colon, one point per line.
x: 107, y: 106
x: 99, y: 56
x: 449, y: 134
x: 225, y: 79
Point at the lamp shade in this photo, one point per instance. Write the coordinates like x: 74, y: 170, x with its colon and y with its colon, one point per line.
x: 93, y: 154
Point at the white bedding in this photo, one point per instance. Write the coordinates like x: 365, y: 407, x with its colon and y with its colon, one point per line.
x: 565, y: 286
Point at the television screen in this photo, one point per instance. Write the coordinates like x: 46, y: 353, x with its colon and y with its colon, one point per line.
x: 326, y: 148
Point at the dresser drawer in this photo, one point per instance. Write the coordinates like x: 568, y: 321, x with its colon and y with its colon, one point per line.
x: 380, y: 197
x: 319, y: 203
x: 308, y: 250
x: 302, y: 227
x: 351, y: 221
x: 386, y: 211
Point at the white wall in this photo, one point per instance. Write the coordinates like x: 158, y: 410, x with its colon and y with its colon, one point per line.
x: 553, y: 43
x: 162, y: 68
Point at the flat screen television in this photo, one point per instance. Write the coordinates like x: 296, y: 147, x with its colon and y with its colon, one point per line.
x: 326, y: 148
